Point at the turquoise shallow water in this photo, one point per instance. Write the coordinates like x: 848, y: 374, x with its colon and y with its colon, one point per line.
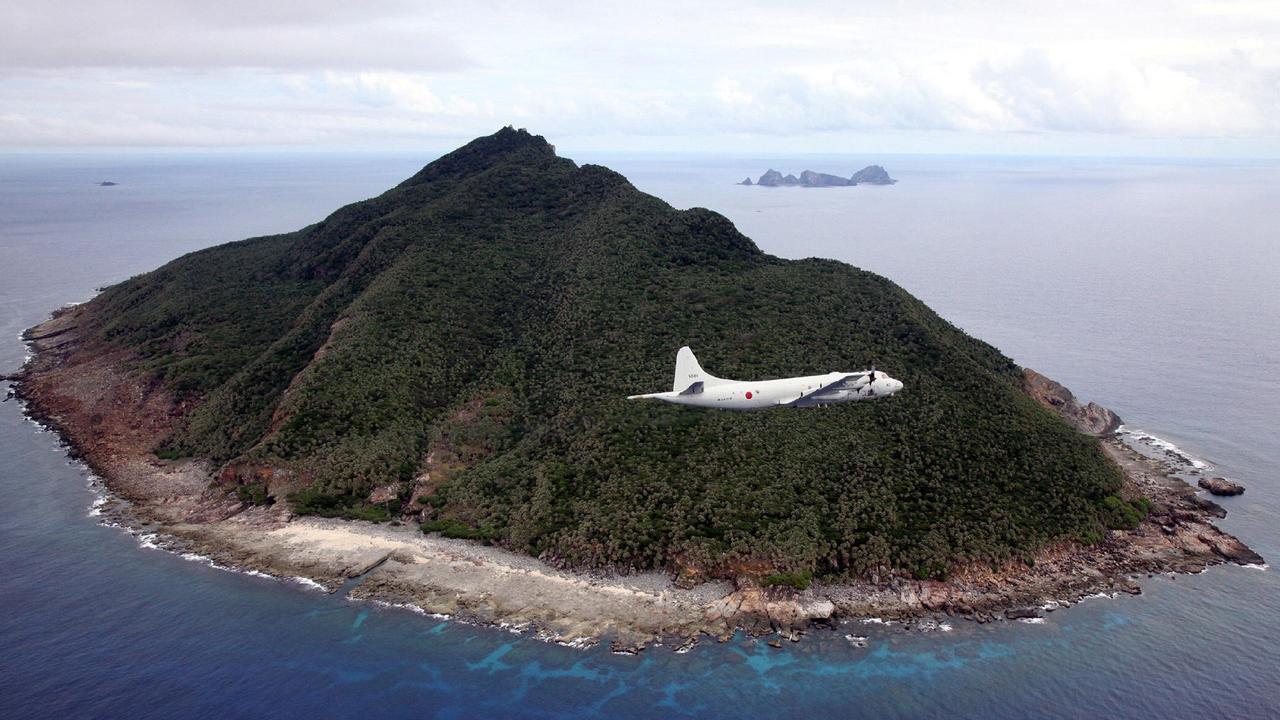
x: 1150, y: 287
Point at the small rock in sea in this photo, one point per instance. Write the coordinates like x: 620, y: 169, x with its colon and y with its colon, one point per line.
x: 687, y: 645
x: 108, y: 183
x: 856, y: 640
x: 775, y: 643
x: 1221, y: 486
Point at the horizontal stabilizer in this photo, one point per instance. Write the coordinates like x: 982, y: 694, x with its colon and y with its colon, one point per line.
x: 651, y: 396
x: 693, y: 389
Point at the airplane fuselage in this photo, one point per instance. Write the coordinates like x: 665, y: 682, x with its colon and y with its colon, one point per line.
x: 693, y: 386
x: 797, y: 391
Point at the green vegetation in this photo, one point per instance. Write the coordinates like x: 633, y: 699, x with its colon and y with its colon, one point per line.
x: 451, y: 528
x: 1119, y: 514
x: 797, y: 580
x: 314, y: 501
x: 481, y: 324
x: 254, y: 494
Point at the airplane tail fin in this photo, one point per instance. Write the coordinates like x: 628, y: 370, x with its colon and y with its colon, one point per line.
x: 688, y: 372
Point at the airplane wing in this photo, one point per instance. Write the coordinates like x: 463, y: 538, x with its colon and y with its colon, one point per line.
x: 847, y: 382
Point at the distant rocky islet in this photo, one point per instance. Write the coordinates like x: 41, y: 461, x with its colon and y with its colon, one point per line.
x: 869, y: 175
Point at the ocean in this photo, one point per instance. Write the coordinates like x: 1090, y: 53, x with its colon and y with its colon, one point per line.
x: 1150, y: 286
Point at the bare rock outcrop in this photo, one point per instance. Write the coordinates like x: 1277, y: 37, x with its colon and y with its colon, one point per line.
x: 1091, y: 419
x: 871, y: 175
x: 771, y: 178
x: 809, y: 178
x: 1221, y: 486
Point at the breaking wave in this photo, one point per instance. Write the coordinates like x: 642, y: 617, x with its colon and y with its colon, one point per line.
x: 1170, y: 452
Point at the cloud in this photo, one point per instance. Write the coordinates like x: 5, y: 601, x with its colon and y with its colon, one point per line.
x: 1030, y: 91
x: 288, y: 35
x: 1122, y: 95
x: 331, y: 73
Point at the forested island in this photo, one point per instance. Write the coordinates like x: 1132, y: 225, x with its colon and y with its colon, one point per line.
x: 426, y: 389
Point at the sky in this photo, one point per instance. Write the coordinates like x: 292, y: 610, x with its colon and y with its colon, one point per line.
x: 1078, y: 78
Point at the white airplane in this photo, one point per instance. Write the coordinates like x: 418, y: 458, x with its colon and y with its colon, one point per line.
x: 694, y: 386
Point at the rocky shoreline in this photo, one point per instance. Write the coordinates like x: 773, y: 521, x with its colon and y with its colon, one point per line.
x: 111, y: 417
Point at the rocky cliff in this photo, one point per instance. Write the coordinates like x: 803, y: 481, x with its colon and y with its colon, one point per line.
x: 872, y: 175
x: 1091, y: 419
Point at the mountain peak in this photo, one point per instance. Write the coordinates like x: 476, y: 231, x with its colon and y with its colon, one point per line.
x: 479, y: 154
x: 511, y: 138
